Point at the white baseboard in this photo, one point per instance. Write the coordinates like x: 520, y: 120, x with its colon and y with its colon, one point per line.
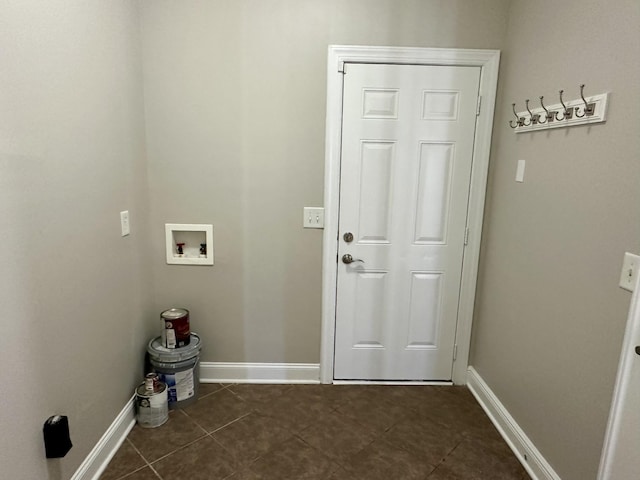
x: 523, y: 448
x: 224, y: 372
x: 98, y: 459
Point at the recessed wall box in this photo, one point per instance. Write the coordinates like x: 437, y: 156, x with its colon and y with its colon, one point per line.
x: 189, y: 244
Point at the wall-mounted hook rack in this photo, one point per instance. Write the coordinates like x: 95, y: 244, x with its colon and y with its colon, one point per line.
x: 580, y: 111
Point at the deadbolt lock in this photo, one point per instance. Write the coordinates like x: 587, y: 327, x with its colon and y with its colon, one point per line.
x: 348, y: 237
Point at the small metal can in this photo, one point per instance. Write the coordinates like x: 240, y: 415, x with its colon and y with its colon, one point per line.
x: 152, y: 402
x: 175, y: 328
x: 152, y: 383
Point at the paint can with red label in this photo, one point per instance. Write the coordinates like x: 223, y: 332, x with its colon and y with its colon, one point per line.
x: 175, y: 328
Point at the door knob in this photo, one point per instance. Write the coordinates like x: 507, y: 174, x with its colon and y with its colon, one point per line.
x: 348, y: 237
x: 347, y: 258
x: 638, y: 350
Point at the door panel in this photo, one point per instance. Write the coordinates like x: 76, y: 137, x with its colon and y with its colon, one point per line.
x: 368, y: 319
x: 434, y: 191
x: 424, y: 310
x: 405, y: 170
x: 375, y: 191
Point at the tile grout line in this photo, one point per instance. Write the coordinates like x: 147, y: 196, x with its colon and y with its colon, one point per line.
x: 178, y: 449
x: 236, y: 468
x: 128, y: 474
x: 155, y: 471
x: 147, y: 464
x: 208, y: 395
x: 211, y: 393
x: 341, y: 463
x: 444, y: 459
x: 204, y: 430
x: 194, y: 421
x: 223, y: 447
x: 252, y: 461
x: 320, y: 452
x: 204, y: 434
x: 230, y: 423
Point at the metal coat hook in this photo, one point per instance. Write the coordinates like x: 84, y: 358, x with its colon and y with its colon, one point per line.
x: 567, y: 113
x: 519, y: 122
x: 548, y: 115
x: 532, y: 119
x: 588, y: 107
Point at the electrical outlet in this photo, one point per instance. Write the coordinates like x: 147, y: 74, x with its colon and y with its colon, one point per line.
x: 124, y: 223
x: 629, y: 272
x: 313, y: 217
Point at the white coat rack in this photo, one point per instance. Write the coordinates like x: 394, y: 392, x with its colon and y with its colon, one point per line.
x: 574, y: 112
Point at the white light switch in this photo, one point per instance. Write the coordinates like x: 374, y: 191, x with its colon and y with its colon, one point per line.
x: 629, y: 272
x: 520, y: 171
x: 313, y: 217
x: 124, y: 223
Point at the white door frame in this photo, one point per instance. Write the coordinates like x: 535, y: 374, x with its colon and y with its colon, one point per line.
x: 617, y: 447
x: 488, y: 60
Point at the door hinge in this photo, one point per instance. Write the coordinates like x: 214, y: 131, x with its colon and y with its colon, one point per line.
x: 466, y: 236
x: 455, y: 351
x: 342, y: 67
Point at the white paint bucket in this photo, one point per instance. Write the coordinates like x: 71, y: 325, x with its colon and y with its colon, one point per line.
x: 178, y: 368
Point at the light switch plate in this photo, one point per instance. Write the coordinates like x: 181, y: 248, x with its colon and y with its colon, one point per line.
x: 313, y: 217
x: 125, y: 228
x: 630, y: 267
x: 520, y: 171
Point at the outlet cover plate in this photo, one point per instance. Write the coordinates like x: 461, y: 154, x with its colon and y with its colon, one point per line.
x: 630, y: 267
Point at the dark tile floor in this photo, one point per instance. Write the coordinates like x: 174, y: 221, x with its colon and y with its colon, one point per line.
x: 333, y: 432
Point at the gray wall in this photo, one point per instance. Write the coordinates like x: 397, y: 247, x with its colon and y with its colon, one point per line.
x: 74, y: 294
x: 235, y: 107
x: 549, y: 315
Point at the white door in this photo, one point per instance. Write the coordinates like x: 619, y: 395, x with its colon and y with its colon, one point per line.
x: 407, y: 150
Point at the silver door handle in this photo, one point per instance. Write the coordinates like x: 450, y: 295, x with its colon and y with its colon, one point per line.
x: 347, y: 258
